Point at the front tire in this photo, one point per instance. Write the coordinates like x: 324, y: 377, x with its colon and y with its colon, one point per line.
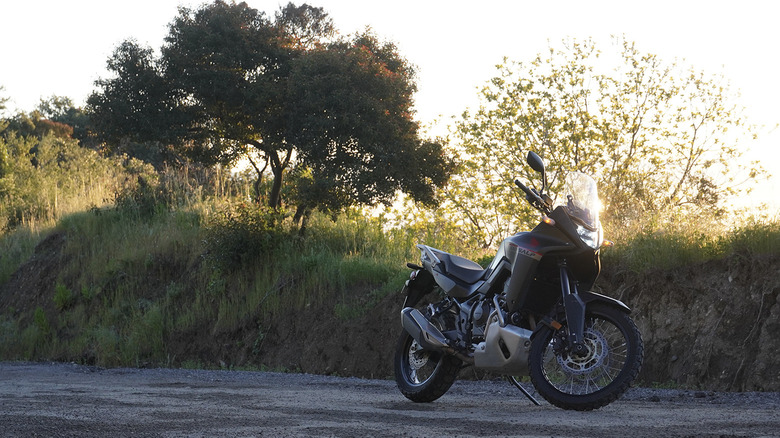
x: 593, y: 380
x: 422, y: 375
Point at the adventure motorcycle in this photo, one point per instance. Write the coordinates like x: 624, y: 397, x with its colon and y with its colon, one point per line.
x: 530, y: 312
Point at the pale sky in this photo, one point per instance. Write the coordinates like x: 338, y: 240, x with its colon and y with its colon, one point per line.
x: 56, y: 47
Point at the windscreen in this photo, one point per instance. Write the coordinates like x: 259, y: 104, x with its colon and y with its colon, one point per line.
x: 581, y: 200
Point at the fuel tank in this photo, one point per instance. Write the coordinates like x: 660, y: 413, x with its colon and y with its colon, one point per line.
x: 524, y: 251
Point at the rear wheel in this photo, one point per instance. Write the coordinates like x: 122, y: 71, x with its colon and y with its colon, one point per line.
x: 423, y: 375
x: 603, y: 373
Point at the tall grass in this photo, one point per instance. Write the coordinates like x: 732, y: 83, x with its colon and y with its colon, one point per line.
x: 16, y: 247
x: 679, y: 246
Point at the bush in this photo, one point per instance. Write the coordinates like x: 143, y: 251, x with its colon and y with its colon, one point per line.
x: 64, y: 298
x: 243, y: 234
x: 42, y: 179
x: 143, y: 200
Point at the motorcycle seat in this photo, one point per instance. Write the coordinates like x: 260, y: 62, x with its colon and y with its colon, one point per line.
x: 461, y: 268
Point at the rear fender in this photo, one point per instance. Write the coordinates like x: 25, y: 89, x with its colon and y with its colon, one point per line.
x: 419, y: 284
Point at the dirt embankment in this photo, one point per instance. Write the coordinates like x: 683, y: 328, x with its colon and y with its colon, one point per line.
x: 710, y: 326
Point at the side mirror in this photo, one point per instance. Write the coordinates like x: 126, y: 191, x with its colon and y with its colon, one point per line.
x: 535, y: 162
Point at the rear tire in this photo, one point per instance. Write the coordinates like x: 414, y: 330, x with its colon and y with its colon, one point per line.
x: 421, y: 375
x: 615, y: 354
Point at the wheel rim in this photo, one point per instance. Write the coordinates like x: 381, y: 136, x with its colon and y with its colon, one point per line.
x: 419, y: 365
x: 607, y: 354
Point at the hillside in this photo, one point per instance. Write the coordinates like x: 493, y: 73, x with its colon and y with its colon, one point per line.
x: 709, y: 325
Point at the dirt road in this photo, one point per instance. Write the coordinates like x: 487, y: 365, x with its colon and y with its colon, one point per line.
x: 61, y: 400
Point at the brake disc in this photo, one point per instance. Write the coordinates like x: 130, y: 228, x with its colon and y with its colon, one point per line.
x: 598, y: 350
x: 417, y: 356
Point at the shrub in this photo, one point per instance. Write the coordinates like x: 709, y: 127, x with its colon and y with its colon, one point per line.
x: 64, y: 298
x: 242, y: 235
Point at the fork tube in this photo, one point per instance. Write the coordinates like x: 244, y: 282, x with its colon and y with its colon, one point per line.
x: 574, y: 307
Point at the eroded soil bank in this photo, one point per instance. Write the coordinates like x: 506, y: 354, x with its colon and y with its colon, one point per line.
x: 710, y: 326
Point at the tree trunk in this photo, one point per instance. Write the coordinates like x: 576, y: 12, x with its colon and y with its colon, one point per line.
x: 259, y: 180
x: 275, y: 197
x: 302, y: 215
x: 277, y: 168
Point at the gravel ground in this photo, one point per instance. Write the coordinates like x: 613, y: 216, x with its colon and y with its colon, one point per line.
x: 64, y: 400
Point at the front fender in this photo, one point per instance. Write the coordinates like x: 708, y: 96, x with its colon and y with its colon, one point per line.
x: 587, y: 298
x: 590, y: 297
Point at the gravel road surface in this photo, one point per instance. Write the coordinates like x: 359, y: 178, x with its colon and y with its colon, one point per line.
x: 64, y: 400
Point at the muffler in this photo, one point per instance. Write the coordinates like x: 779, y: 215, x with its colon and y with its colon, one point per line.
x: 426, y: 334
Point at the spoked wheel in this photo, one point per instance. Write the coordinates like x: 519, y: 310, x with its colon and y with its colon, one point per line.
x: 422, y: 375
x: 611, y: 361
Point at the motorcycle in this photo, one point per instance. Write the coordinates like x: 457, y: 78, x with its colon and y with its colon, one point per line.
x: 529, y: 313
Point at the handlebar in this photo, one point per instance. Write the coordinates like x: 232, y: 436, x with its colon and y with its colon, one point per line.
x: 533, y: 198
x: 531, y: 195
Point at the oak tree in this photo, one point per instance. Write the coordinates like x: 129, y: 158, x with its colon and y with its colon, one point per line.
x: 285, y: 93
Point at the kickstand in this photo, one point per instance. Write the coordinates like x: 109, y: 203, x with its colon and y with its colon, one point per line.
x: 523, y: 390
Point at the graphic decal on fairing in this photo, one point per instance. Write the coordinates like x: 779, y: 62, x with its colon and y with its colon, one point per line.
x: 527, y: 252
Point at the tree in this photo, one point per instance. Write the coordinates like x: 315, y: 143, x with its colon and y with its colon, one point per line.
x: 232, y: 83
x: 3, y: 101
x: 35, y: 124
x: 659, y: 139
x: 60, y: 109
x: 353, y: 128
x: 137, y: 104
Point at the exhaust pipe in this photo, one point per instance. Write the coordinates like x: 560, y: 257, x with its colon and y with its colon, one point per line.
x: 427, y: 335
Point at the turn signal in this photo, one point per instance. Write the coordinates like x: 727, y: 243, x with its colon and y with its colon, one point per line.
x: 548, y: 220
x: 607, y: 243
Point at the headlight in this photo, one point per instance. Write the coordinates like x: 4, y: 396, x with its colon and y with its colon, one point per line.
x: 591, y: 238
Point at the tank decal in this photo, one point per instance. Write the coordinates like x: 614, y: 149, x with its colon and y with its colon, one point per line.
x: 527, y: 252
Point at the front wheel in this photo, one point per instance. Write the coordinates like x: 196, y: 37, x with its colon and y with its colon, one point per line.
x: 596, y: 378
x: 422, y: 375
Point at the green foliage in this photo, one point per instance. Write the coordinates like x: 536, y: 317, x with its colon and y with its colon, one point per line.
x: 145, y: 340
x: 134, y: 103
x: 35, y: 124
x: 659, y: 139
x: 760, y: 236
x: 16, y: 247
x: 105, y: 344
x: 357, y: 154
x: 241, y: 235
x: 283, y: 93
x: 64, y: 298
x: 87, y: 294
x: 41, y: 322
x: 10, y: 337
x: 42, y: 179
x: 61, y: 110
x: 143, y: 200
x: 693, y: 244
x: 3, y: 100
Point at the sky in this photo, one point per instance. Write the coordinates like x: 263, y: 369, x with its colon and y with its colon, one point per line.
x: 55, y: 47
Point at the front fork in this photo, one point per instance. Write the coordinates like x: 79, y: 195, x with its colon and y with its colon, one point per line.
x: 575, y: 311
